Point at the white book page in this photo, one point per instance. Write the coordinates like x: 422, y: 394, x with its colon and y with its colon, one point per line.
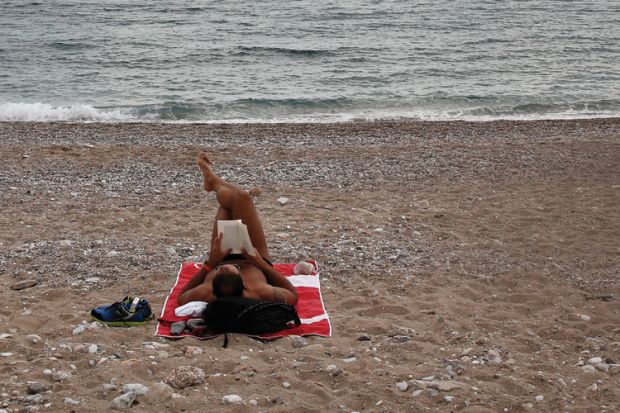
x: 244, y: 239
x: 230, y: 230
x: 235, y: 236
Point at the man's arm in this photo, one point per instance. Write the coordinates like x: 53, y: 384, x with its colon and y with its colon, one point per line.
x: 203, y: 292
x: 280, y: 289
x: 196, y: 290
x: 188, y: 294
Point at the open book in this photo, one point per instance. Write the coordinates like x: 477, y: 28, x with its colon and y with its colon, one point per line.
x: 235, y: 236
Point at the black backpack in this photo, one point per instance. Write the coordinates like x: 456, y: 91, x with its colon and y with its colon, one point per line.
x: 249, y: 316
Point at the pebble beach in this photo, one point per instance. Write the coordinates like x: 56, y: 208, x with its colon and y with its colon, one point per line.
x: 466, y: 266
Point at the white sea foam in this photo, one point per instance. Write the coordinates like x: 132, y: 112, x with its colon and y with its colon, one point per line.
x: 43, y: 112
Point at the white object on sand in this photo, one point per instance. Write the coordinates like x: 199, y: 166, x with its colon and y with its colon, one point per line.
x: 193, y: 309
x: 304, y: 268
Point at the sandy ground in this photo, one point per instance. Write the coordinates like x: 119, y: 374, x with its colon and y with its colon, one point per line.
x: 467, y: 267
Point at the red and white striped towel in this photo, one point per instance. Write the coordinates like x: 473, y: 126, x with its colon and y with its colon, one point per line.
x: 310, y: 307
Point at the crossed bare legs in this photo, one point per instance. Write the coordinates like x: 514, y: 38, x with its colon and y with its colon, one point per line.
x: 234, y: 203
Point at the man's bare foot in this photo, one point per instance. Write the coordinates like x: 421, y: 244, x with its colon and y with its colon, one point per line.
x: 210, y: 178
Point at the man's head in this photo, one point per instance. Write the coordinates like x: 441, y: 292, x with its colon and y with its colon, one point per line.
x: 227, y: 281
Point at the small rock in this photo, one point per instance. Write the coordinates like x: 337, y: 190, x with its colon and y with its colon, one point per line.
x: 231, y: 399
x: 286, y: 384
x: 4, y: 336
x: 602, y: 367
x: 159, y: 392
x: 588, y: 369
x: 92, y: 363
x: 112, y: 254
x: 6, y: 354
x: 137, y: 388
x: 364, y: 337
x: 33, y: 399
x: 61, y: 375
x: 585, y: 317
x: 185, y: 376
x: 303, y: 268
x: 282, y: 200
x: 93, y: 348
x: 402, y: 386
x: 191, y: 351
x: 107, y: 388
x: 595, y: 360
x: 333, y: 370
x: 401, y: 339
x: 92, y: 280
x: 33, y: 338
x: 445, y: 385
x: 298, y: 342
x: 171, y: 251
x: 35, y: 387
x: 253, y: 402
x: 78, y: 330
x: 593, y: 387
x: 123, y: 402
x: 417, y: 392
x: 68, y: 400
x: 349, y: 359
x: 379, y: 230
x: 539, y: 398
x: 448, y: 399
x: 22, y: 285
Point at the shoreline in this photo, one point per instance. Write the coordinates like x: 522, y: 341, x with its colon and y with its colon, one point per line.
x: 482, y: 254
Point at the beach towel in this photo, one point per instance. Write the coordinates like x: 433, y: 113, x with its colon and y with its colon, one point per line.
x: 310, y: 307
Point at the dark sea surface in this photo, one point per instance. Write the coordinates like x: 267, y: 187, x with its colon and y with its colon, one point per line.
x: 320, y: 61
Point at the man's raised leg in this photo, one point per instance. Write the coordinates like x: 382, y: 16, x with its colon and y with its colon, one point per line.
x: 237, y: 204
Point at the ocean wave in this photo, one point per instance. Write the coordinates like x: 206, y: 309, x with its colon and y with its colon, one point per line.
x: 43, y: 112
x: 263, y: 110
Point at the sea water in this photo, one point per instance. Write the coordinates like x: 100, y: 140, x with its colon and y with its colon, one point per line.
x: 319, y: 61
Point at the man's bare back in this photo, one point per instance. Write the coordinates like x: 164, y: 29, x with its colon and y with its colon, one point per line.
x: 250, y: 275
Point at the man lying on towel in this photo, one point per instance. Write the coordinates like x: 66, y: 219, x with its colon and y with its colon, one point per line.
x: 249, y: 274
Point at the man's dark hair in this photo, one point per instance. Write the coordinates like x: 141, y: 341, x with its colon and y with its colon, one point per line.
x: 227, y: 285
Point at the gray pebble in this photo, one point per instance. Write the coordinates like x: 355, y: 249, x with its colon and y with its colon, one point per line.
x: 35, y: 387
x: 68, y: 400
x: 33, y: 338
x: 33, y: 399
x: 61, y: 375
x: 123, y: 402
x: 137, y: 388
x: 588, y: 369
x: 22, y: 285
x: 333, y: 370
x: 602, y: 367
x: 231, y: 399
x: 298, y: 342
x: 402, y: 385
x: 364, y: 337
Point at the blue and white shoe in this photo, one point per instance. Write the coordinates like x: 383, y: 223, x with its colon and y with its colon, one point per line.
x: 126, y: 313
